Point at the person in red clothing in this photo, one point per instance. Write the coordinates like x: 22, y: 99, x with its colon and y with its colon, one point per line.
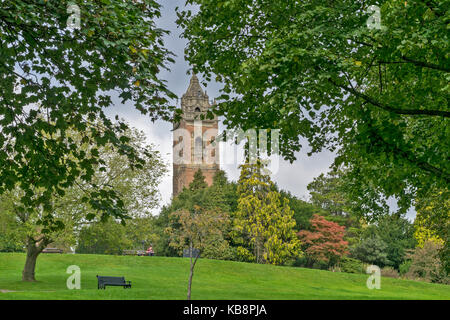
x: 150, y: 251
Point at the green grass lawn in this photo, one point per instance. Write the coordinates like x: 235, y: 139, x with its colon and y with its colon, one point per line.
x: 166, y: 278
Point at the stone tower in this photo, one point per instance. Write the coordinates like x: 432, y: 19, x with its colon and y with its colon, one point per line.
x: 193, y: 139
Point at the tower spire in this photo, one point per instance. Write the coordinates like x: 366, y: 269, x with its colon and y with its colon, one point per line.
x: 194, y: 89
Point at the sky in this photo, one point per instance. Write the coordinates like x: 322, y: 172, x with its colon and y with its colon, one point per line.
x: 290, y: 177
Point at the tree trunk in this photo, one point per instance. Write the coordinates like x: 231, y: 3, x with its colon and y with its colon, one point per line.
x: 191, y: 274
x: 30, y: 263
x: 259, y: 248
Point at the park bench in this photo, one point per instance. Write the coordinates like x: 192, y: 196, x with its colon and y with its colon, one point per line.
x: 112, y: 281
x: 129, y: 252
x: 187, y: 253
x: 133, y: 252
x: 52, y: 250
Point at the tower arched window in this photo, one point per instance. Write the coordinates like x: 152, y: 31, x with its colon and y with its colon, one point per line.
x: 197, y: 109
x: 198, y: 149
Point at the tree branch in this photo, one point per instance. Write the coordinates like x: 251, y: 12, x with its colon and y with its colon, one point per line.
x: 415, y: 161
x: 426, y: 64
x: 438, y: 113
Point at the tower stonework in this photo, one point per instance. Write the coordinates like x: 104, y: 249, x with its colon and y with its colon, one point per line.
x: 193, y: 139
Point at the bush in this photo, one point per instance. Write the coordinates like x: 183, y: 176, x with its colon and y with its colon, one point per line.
x: 321, y: 265
x: 307, y: 262
x: 220, y: 250
x: 300, y: 262
x: 426, y: 264
x: 389, y: 272
x: 404, y: 267
x: 351, y: 265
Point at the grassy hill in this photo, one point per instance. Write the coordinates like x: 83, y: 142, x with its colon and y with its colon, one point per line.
x: 166, y: 278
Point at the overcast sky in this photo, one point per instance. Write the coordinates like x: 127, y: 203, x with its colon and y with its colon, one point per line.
x: 290, y: 177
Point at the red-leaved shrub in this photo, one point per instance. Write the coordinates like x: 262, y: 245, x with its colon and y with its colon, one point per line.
x: 325, y: 243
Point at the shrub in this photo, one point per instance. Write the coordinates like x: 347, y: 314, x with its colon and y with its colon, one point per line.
x: 220, y: 250
x: 404, y: 267
x: 351, y: 265
x: 426, y: 264
x: 307, y: 262
x: 300, y: 262
x: 389, y: 272
x: 319, y: 264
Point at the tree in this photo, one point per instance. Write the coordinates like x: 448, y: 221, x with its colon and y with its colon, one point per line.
x: 220, y: 196
x: 377, y: 96
x: 137, y: 187
x: 111, y: 237
x: 329, y: 193
x: 34, y: 228
x: 425, y: 264
x: 371, y: 250
x: 196, y: 230
x: 433, y: 222
x: 222, y: 193
x: 326, y: 193
x: 143, y: 232
x: 303, y: 211
x: 193, y: 195
x: 325, y: 243
x: 12, y: 233
x: 162, y: 244
x: 56, y: 80
x: 263, y: 225
x: 103, y: 238
x: 397, y: 234
x: 198, y: 182
x: 422, y: 234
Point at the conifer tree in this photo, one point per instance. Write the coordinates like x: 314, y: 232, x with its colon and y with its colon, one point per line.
x: 264, y: 223
x: 198, y: 182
